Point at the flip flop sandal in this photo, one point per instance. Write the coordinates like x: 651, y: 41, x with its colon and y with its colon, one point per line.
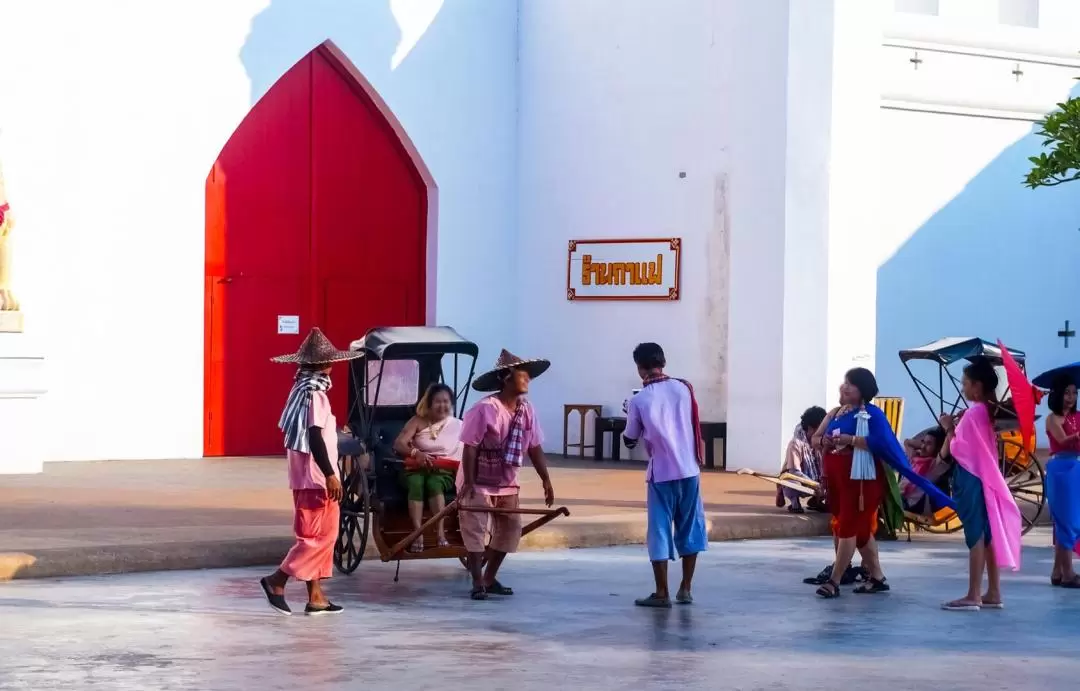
x: 960, y: 606
x: 417, y: 546
x: 682, y: 598
x: 277, y: 602
x: 830, y: 590
x: 478, y: 594
x: 993, y: 605
x: 872, y: 587
x: 497, y: 588
x: 1055, y: 581
x: 1071, y: 584
x: 653, y: 600
x: 443, y: 542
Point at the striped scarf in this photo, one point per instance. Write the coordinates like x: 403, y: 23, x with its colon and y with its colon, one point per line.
x: 515, y: 452
x: 294, y: 418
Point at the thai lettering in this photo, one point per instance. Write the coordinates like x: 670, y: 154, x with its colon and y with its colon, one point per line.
x: 622, y: 273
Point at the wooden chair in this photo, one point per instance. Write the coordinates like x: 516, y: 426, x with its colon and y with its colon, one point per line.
x: 893, y: 407
x: 582, y: 409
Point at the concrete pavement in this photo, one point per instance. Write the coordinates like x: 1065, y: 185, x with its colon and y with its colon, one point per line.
x: 120, y: 516
x: 570, y: 625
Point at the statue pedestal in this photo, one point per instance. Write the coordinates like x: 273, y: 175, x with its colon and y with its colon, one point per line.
x: 11, y: 322
x: 22, y: 420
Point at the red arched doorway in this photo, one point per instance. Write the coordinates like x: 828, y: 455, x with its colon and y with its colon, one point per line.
x: 317, y: 208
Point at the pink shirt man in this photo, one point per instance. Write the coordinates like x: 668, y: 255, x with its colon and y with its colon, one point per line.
x: 661, y: 414
x: 304, y: 472
x: 487, y: 425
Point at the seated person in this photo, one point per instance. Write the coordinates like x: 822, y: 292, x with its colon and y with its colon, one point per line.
x: 432, y: 434
x: 929, y: 454
x: 801, y: 458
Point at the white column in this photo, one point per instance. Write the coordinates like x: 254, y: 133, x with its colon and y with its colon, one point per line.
x: 757, y: 36
x: 802, y: 105
x: 853, y: 190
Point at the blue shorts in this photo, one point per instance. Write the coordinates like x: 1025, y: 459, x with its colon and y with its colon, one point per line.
x: 676, y: 504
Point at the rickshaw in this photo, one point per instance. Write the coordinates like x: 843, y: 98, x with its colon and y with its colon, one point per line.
x: 397, y: 367
x: 1019, y: 464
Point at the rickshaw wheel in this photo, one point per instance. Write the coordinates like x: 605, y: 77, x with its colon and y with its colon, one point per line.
x: 355, y: 518
x: 1026, y: 480
x: 950, y: 525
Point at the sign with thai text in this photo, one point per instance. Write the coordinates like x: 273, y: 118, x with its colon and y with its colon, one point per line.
x: 625, y: 269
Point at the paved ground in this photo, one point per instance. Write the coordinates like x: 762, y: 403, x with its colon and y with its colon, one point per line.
x: 571, y: 625
x: 113, y: 516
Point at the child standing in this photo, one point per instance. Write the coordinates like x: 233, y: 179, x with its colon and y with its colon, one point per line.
x: 991, y: 518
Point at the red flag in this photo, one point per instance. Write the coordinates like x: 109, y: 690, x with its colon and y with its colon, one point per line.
x: 1023, y: 395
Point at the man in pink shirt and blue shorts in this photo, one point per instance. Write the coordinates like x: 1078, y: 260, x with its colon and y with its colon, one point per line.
x: 498, y: 433
x: 665, y: 414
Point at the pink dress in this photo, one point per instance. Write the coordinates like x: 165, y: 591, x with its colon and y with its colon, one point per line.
x: 316, y: 516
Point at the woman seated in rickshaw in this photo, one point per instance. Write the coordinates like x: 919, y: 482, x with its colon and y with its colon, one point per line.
x: 929, y: 456
x: 432, y: 434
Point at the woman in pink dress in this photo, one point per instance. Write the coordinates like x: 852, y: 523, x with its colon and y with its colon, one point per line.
x: 1063, y: 480
x: 310, y: 430
x: 432, y: 434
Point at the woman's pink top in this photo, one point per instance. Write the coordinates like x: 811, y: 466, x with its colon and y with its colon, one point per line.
x: 1071, y: 424
x: 445, y: 444
x: 304, y: 472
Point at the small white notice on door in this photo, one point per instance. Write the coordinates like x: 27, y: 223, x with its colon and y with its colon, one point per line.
x: 288, y: 324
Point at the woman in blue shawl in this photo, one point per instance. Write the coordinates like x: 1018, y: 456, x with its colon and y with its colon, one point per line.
x: 861, y: 453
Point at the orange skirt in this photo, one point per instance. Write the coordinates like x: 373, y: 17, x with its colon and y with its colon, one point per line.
x: 853, y: 503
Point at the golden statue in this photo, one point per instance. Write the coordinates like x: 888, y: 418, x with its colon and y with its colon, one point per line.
x: 10, y: 317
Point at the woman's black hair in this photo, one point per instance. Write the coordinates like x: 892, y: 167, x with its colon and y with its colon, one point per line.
x: 649, y: 356
x: 863, y: 380
x: 939, y: 437
x: 1056, y: 399
x: 981, y: 370
x: 812, y: 417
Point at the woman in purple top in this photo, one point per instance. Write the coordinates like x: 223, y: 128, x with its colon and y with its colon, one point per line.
x: 665, y: 415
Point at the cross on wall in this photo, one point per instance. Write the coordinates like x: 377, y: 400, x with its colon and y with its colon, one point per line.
x: 1066, y: 333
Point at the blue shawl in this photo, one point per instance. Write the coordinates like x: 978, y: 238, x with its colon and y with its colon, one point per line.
x: 886, y: 448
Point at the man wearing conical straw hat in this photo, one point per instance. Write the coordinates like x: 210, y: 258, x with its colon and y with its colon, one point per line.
x: 311, y: 447
x: 8, y: 303
x: 498, y: 432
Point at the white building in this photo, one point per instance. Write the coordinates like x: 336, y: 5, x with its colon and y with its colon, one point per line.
x: 844, y: 177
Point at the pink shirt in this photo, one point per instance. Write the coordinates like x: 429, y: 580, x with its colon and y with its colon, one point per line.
x: 487, y: 424
x: 304, y: 472
x: 661, y: 415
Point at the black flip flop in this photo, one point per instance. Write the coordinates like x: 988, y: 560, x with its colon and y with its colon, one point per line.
x: 497, y: 588
x: 872, y: 587
x: 277, y: 602
x: 830, y: 590
x: 1071, y: 584
x: 478, y: 594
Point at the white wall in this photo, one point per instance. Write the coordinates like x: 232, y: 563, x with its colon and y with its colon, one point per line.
x: 111, y: 114
x: 962, y: 248
x: 617, y: 98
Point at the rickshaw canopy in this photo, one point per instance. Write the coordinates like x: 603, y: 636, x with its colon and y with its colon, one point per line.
x: 946, y: 351
x: 407, y: 342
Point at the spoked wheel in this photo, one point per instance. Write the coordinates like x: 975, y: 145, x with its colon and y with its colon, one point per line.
x: 1026, y: 480
x: 949, y: 525
x: 355, y: 516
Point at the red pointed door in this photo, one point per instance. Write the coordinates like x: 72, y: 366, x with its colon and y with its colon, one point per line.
x: 317, y: 212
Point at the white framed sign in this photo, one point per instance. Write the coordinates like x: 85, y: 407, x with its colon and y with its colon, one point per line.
x: 288, y: 324
x: 624, y: 269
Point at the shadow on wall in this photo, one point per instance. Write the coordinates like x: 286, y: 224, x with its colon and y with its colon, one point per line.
x: 996, y: 261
